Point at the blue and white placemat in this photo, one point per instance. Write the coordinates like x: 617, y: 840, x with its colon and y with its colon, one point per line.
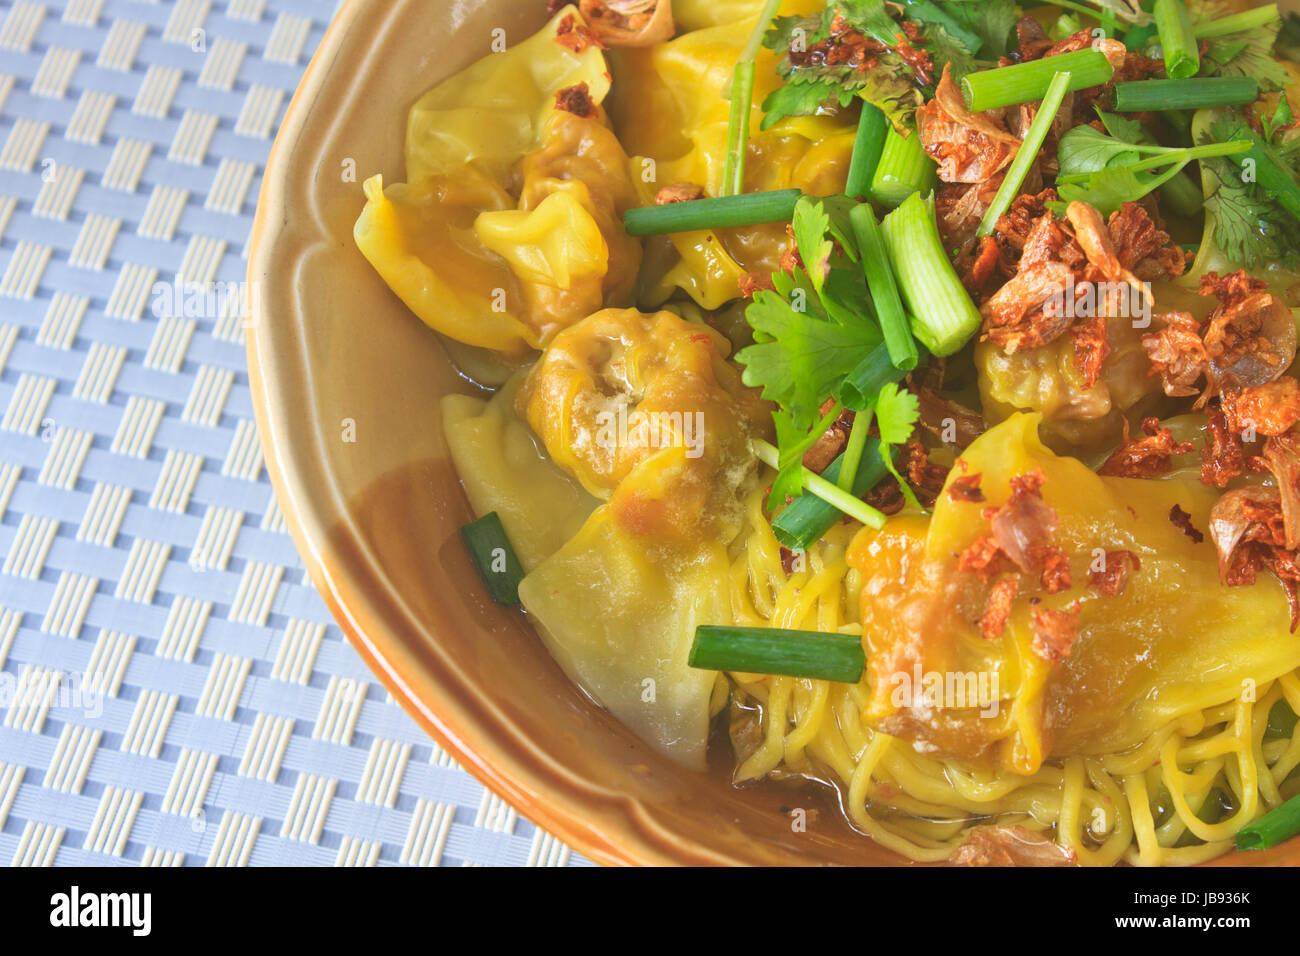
x: 172, y: 689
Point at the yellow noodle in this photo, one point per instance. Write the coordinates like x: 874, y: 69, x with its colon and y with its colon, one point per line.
x: 923, y: 805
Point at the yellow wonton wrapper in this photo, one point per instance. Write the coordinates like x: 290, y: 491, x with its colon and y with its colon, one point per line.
x: 1174, y: 642
x: 510, y: 227
x: 680, y: 135
x: 502, y: 469
x: 614, y: 609
x: 492, y: 113
x: 619, y: 613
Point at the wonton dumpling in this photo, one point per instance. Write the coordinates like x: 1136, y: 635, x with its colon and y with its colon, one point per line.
x: 493, y: 113
x: 413, y: 236
x: 614, y: 606
x: 511, y: 225
x: 566, y: 243
x: 682, y: 136
x: 1172, y: 643
x: 614, y: 391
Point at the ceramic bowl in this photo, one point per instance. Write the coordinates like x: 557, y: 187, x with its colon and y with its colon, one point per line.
x: 347, y: 384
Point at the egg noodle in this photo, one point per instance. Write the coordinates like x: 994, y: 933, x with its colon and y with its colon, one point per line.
x: 1139, y: 806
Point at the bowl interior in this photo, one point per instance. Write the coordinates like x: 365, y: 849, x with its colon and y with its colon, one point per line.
x: 347, y: 385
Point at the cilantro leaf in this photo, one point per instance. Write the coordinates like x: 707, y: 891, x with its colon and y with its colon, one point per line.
x: 1248, y: 54
x: 826, y: 244
x: 800, y: 358
x: 993, y: 21
x: 811, y: 225
x: 1282, y: 117
x: 1123, y: 128
x: 794, y: 443
x: 946, y: 50
x: 802, y: 97
x: 1087, y: 150
x: 889, y: 85
x: 897, y: 411
x: 869, y: 18
x: 1106, y: 172
x: 844, y: 293
x: 1248, y: 225
x: 795, y: 33
x: 1250, y: 230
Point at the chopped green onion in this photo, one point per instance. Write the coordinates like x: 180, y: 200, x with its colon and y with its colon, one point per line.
x: 883, y: 288
x: 495, y: 559
x: 1200, y: 92
x: 1174, y: 25
x: 1236, y: 23
x: 1281, y: 721
x: 873, y: 373
x: 872, y: 128
x: 815, y: 655
x: 807, y: 519
x: 1182, y: 196
x: 943, y: 316
x: 751, y: 209
x: 742, y: 102
x: 853, y: 448
x: 1026, y: 82
x: 1027, y: 154
x: 904, y: 169
x: 1274, y: 827
x: 829, y: 492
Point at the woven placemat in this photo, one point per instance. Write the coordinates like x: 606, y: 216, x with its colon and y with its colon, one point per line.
x: 172, y: 689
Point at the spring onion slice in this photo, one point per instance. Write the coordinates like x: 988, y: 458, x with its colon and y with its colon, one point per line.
x: 863, y: 384
x: 742, y: 101
x: 1174, y: 25
x: 1201, y: 92
x: 1274, y: 827
x: 943, y: 316
x: 494, y: 558
x: 815, y: 655
x: 905, y: 168
x: 808, y: 518
x: 723, y: 212
x: 1237, y: 22
x: 872, y: 129
x: 1026, y: 82
x: 853, y: 448
x: 1028, y: 152
x: 883, y: 288
x: 828, y: 491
